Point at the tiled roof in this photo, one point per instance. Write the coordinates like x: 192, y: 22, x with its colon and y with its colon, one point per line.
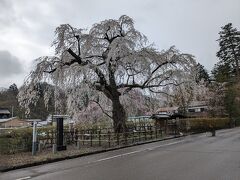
x: 6, y: 120
x: 4, y: 111
x: 167, y: 109
x: 198, y: 103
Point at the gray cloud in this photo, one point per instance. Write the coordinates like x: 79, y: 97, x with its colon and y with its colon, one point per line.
x: 9, y: 65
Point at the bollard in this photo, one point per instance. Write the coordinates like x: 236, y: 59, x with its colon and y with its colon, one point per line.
x: 54, y: 148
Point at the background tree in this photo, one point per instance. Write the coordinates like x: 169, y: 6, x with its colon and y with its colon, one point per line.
x: 216, y: 96
x: 8, y: 99
x: 109, y: 60
x: 222, y: 73
x: 232, y: 102
x: 225, y: 90
x: 229, y: 52
x: 202, y: 74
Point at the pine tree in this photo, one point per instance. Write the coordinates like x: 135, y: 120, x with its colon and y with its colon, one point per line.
x: 227, y: 69
x: 222, y: 73
x: 202, y: 74
x: 229, y: 52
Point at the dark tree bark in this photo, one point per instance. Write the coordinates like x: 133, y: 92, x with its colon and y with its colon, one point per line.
x: 118, y: 115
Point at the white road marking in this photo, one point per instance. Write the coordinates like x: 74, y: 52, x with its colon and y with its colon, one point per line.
x: 23, y: 178
x: 155, y: 147
x: 134, y: 152
x: 120, y: 155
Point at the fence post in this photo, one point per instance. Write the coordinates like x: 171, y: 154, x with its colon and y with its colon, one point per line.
x: 156, y: 132
x: 78, y: 145
x: 139, y: 135
x: 51, y: 137
x: 91, y: 138
x: 125, y: 137
x: 118, y: 139
x: 83, y: 136
x: 76, y: 136
x: 99, y: 137
x: 145, y: 134
x: 151, y: 132
x: 133, y: 139
x: 54, y: 148
x: 40, y: 147
x: 109, y: 142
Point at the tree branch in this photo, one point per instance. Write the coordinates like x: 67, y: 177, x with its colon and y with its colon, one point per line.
x: 104, y: 112
x: 155, y: 70
x: 77, y: 58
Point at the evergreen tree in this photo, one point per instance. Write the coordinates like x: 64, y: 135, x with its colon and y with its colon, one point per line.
x: 202, y: 74
x: 229, y: 52
x: 232, y: 102
x: 227, y: 72
x: 13, y: 88
x: 222, y: 73
x: 8, y: 99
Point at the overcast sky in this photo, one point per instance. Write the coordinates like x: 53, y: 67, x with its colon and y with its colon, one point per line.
x: 27, y: 26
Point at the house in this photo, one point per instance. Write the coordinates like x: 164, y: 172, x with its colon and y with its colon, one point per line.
x: 194, y: 109
x: 4, y: 113
x: 13, y: 122
x: 31, y: 121
x: 197, y: 109
x: 166, y: 118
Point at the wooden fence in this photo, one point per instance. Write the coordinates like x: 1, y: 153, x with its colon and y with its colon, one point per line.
x: 105, y: 138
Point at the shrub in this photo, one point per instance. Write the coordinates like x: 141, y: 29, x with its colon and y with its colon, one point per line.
x: 203, y: 124
x: 18, y: 140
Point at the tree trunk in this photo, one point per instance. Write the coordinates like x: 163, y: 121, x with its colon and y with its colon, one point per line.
x: 119, y: 116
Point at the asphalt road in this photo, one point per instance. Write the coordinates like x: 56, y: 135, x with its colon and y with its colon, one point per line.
x: 196, y: 157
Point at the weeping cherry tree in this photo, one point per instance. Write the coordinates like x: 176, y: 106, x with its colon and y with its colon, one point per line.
x: 101, y: 65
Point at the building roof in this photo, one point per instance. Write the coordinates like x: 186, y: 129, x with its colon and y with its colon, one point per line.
x: 32, y: 120
x: 4, y: 111
x: 160, y: 116
x: 6, y: 120
x: 139, y: 117
x: 167, y: 109
x: 197, y: 103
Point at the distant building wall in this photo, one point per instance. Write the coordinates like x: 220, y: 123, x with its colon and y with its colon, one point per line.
x: 4, y: 113
x: 13, y: 122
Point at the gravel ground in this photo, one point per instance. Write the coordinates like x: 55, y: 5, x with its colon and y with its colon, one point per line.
x: 23, y: 158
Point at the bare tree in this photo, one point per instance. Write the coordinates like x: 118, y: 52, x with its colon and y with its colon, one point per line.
x: 110, y: 59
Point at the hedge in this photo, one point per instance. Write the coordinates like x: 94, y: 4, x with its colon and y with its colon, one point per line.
x: 17, y: 140
x: 203, y: 124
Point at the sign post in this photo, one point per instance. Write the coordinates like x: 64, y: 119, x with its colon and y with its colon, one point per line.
x: 60, y: 145
x: 60, y: 135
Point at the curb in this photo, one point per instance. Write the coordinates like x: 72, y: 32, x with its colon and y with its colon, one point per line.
x: 85, y: 154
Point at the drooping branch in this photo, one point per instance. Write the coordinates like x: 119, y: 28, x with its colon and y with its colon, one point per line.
x: 78, y: 59
x: 104, y: 112
x: 155, y: 70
